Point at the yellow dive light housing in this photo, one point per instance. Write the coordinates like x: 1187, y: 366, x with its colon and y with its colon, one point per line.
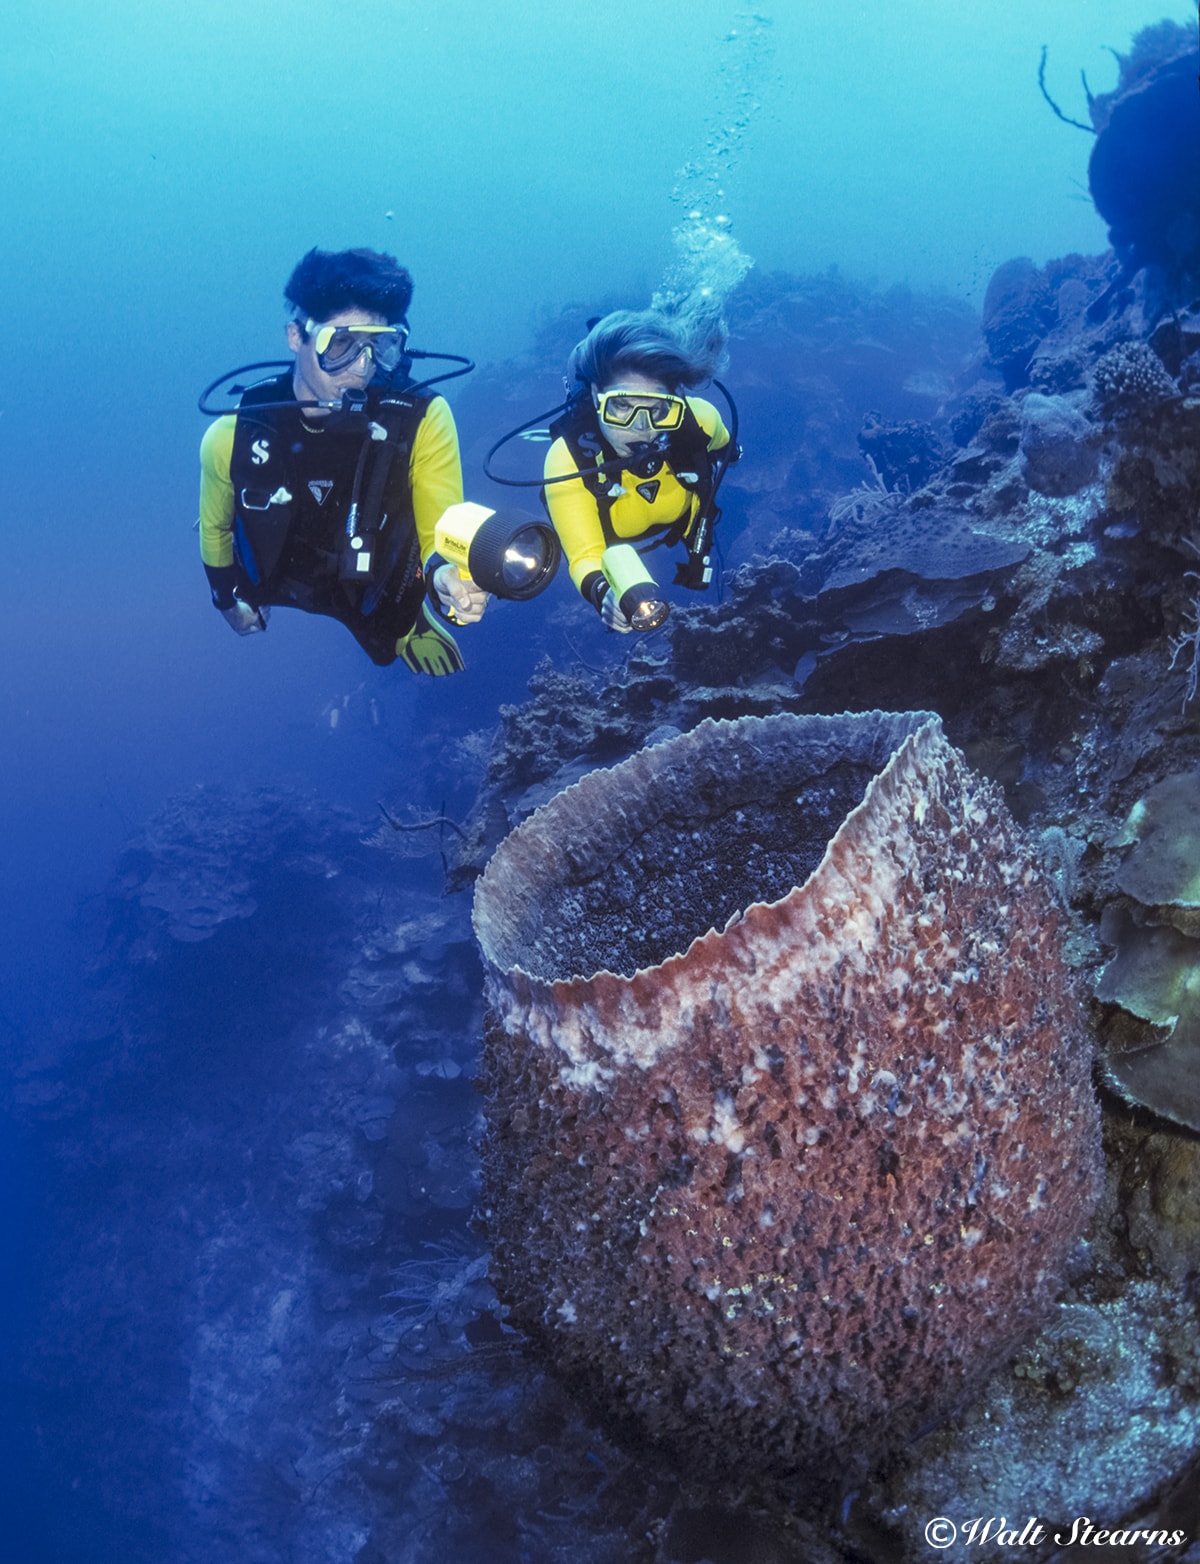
x: 506, y: 552
x: 637, y: 593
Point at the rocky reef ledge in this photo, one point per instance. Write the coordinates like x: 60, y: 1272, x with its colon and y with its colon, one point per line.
x: 1023, y: 563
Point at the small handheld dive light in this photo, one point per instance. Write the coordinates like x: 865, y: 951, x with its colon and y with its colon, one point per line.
x: 506, y: 552
x: 637, y: 594
x: 696, y: 570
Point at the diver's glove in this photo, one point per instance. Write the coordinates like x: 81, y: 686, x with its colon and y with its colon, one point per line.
x: 243, y: 619
x: 614, y: 619
x: 429, y: 647
x: 604, y: 600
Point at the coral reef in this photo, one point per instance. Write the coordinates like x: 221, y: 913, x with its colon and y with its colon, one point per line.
x: 271, y: 1101
x: 805, y: 1154
x: 1057, y: 458
x: 1155, y: 974
x: 903, y: 455
x: 1018, y: 308
x: 274, y: 1335
x: 1051, y: 666
x: 1162, y: 870
x: 208, y: 857
x: 1130, y: 379
x: 1153, y: 977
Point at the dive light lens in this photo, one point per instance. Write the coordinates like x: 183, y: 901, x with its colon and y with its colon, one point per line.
x: 637, y: 595
x: 646, y: 613
x: 525, y: 561
x: 513, y: 555
x: 508, y: 553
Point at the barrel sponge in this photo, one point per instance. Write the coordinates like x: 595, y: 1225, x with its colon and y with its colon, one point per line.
x: 790, y: 1125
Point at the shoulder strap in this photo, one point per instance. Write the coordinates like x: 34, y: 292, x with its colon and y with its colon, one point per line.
x: 400, y: 414
x: 691, y: 462
x: 400, y: 556
x: 691, y: 459
x: 263, y: 403
x: 696, y: 571
x: 578, y: 432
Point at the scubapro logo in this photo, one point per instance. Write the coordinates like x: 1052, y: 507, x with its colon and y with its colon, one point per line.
x: 319, y: 488
x: 649, y: 491
x: 260, y: 452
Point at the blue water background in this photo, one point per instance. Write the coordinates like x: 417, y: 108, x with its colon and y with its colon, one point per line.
x: 163, y: 166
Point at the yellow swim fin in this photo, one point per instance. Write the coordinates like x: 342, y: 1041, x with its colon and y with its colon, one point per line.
x: 429, y: 647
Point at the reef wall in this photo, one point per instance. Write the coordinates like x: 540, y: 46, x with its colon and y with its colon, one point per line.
x: 790, y: 1125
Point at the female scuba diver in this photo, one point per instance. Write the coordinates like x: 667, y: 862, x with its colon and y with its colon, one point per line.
x: 635, y: 458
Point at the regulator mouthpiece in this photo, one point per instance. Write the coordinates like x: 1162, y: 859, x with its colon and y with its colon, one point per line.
x: 637, y: 593
x: 508, y: 553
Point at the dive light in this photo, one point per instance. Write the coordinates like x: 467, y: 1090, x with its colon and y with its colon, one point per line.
x: 637, y: 594
x: 506, y: 552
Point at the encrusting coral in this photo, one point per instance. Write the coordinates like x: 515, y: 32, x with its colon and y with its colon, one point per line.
x: 803, y: 1154
x: 1056, y: 456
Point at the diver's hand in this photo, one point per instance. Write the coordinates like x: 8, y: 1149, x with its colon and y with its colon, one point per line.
x: 610, y: 612
x: 244, y: 620
x: 461, y: 600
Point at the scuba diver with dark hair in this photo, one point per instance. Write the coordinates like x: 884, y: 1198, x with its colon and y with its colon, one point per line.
x: 323, y: 489
x: 635, y: 458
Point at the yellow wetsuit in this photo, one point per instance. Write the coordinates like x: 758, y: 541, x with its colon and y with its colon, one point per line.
x: 435, y: 470
x: 644, y: 505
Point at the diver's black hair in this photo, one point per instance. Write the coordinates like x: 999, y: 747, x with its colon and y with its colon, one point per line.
x: 680, y: 351
x: 329, y: 281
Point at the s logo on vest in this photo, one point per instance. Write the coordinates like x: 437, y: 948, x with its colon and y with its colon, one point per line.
x: 319, y: 488
x: 649, y: 490
x: 260, y: 452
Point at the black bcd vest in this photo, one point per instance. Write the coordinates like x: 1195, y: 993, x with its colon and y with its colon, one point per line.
x: 293, y: 485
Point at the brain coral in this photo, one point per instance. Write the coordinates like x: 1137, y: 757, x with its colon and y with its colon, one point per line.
x: 786, y: 1197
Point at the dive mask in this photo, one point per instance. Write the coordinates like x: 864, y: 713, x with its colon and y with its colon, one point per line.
x: 338, y: 347
x: 619, y: 409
